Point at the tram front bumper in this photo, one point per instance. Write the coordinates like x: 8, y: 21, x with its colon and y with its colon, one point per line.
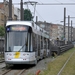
x: 20, y: 62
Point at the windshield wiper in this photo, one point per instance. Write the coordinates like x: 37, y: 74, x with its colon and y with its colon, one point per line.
x: 21, y: 48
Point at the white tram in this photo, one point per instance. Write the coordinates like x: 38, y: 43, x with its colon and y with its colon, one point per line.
x: 26, y: 43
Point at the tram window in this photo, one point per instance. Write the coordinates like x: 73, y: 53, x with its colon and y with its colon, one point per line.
x: 30, y: 42
x: 41, y: 42
x: 38, y: 42
x: 16, y: 41
x: 18, y: 38
x: 38, y: 45
x: 48, y: 44
x: 45, y: 43
x: 34, y: 42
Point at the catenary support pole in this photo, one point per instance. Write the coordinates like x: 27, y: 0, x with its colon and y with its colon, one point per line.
x: 22, y: 11
x: 71, y: 31
x: 64, y: 22
x: 68, y: 27
x: 10, y: 9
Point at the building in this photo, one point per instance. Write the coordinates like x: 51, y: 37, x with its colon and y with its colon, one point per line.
x: 54, y: 32
x: 60, y: 32
x: 16, y: 13
x: 4, y: 12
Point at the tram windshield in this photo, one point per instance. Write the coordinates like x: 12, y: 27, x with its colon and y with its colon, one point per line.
x: 17, y: 39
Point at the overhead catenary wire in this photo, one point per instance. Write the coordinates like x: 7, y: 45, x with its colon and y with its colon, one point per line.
x: 40, y: 1
x: 71, y: 11
x: 44, y: 19
x: 57, y: 1
x: 72, y: 0
x: 57, y: 20
x: 37, y: 12
x: 40, y: 15
x: 49, y: 3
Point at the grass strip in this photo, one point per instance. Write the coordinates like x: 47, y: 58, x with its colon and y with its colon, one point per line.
x: 70, y: 67
x: 55, y: 66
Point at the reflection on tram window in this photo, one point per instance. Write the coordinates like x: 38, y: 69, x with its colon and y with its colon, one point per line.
x: 16, y: 40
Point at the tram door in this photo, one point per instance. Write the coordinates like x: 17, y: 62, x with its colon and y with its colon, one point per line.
x: 35, y: 45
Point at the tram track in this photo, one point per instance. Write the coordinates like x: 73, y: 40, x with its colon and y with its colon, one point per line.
x: 2, y: 60
x: 59, y: 73
x: 21, y: 72
x: 16, y: 72
x: 4, y: 73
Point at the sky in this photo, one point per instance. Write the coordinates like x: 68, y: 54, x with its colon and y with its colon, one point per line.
x: 51, y: 13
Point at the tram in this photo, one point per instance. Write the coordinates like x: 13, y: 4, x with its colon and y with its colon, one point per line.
x: 26, y: 43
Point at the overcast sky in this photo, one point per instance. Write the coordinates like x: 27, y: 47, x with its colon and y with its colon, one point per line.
x: 51, y: 13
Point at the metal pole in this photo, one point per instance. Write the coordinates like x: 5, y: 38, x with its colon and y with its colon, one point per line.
x: 64, y: 22
x: 10, y: 9
x: 4, y: 14
x: 71, y: 30
x: 22, y: 10
x: 68, y: 27
x: 36, y: 19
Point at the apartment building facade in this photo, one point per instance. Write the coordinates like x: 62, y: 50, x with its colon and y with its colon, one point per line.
x: 4, y: 12
x: 60, y: 32
x: 54, y: 31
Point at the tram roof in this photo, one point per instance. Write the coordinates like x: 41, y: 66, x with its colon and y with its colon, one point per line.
x: 28, y: 23
x: 19, y: 23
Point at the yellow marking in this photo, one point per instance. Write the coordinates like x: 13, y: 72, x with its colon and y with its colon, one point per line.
x: 17, y: 55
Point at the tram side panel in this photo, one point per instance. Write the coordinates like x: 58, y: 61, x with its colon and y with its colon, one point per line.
x: 41, y: 46
x: 37, y: 46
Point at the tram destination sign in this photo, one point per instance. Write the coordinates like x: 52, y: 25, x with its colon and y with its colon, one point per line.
x: 17, y: 28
